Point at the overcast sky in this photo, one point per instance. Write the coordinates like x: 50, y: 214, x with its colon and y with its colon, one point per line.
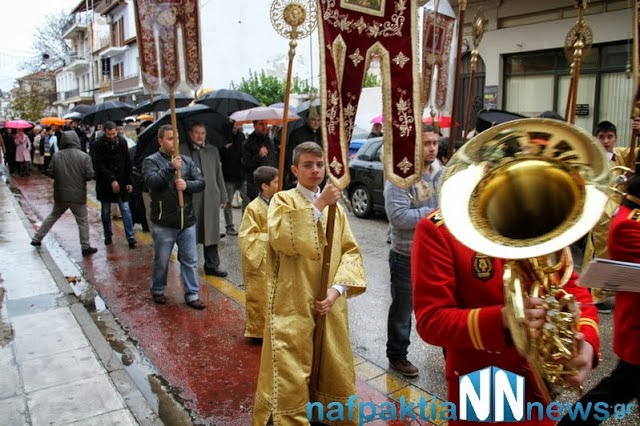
x: 236, y: 36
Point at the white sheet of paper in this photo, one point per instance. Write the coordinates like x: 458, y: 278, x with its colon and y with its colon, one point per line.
x: 611, y: 275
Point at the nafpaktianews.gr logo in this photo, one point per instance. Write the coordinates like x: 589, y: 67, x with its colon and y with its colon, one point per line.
x: 491, y: 395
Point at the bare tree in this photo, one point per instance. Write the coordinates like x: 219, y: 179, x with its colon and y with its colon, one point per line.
x: 52, y: 50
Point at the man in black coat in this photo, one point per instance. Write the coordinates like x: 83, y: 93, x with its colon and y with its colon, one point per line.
x: 232, y: 170
x: 257, y: 151
x: 112, y: 165
x: 310, y: 132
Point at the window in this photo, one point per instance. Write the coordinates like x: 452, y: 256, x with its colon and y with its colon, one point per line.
x: 117, y: 32
x: 118, y: 71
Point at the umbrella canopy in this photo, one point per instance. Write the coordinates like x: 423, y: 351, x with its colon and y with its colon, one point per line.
x: 227, y: 101
x: 218, y: 126
x: 145, y: 117
x: 18, y: 124
x: 53, y: 121
x: 268, y: 114
x: 82, y: 109
x: 161, y: 103
x: 444, y: 121
x: 72, y: 116
x: 107, y: 111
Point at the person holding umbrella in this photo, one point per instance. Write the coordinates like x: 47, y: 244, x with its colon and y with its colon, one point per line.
x: 258, y: 150
x: 23, y: 156
x: 113, y: 180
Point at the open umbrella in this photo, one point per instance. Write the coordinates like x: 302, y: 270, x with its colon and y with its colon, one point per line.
x: 53, y: 121
x: 269, y: 114
x: 218, y: 126
x: 82, y: 109
x: 227, y: 101
x: 161, y: 103
x: 107, y: 111
x: 18, y: 124
x: 303, y: 109
x: 444, y: 121
x: 145, y: 117
x: 378, y: 119
x: 73, y: 116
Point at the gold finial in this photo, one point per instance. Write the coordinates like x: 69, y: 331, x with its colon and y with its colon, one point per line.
x: 294, y: 19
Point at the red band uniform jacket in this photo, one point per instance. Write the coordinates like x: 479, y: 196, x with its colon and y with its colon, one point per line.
x: 458, y: 297
x: 624, y: 245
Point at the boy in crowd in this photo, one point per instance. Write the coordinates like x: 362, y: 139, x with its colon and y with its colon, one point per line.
x: 257, y: 254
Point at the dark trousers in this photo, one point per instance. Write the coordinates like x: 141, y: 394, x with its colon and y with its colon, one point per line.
x: 399, y: 319
x: 620, y: 387
x: 211, y: 258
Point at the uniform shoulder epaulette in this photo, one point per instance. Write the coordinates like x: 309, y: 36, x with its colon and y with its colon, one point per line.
x: 634, y: 215
x: 436, y: 217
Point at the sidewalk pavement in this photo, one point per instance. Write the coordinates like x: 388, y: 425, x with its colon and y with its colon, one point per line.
x: 56, y: 366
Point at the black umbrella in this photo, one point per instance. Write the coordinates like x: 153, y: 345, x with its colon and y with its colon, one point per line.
x: 82, y: 109
x: 107, y: 111
x: 161, y: 103
x: 218, y: 128
x: 227, y: 101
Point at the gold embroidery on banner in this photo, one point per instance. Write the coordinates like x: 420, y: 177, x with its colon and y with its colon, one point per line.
x: 336, y: 166
x: 370, y: 7
x: 390, y: 28
x: 401, y: 59
x: 332, y: 112
x: 356, y: 57
x: 405, y: 165
x: 339, y: 53
x: 405, y: 116
x: 349, y: 115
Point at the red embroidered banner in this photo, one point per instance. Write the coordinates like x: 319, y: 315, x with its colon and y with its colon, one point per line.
x: 436, y: 46
x: 352, y: 34
x: 159, y: 59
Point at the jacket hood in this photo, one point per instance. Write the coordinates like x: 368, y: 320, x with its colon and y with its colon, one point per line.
x: 69, y: 139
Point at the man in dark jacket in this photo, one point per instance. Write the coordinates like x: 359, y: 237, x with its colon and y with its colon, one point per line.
x: 172, y: 224
x: 310, y: 132
x: 70, y: 169
x: 258, y: 150
x: 231, y: 156
x: 113, y: 180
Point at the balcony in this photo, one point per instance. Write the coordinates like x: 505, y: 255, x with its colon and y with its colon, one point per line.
x: 127, y: 84
x: 107, y: 6
x: 109, y: 50
x: 79, y: 23
x: 77, y: 62
x: 75, y: 96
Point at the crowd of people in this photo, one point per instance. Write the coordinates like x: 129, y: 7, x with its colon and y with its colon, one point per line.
x: 282, y: 240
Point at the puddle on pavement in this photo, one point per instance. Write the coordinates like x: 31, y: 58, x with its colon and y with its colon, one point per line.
x: 160, y: 397
x: 6, y: 332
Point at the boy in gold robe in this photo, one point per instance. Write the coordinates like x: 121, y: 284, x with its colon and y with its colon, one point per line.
x: 257, y: 254
x: 297, y: 221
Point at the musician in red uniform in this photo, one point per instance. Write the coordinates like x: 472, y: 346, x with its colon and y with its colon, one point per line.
x: 623, y: 384
x: 459, y: 305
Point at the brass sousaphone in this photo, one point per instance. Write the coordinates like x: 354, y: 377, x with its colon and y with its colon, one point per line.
x: 524, y: 191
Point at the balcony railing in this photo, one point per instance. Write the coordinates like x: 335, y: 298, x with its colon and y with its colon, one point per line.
x: 78, y: 19
x: 127, y: 83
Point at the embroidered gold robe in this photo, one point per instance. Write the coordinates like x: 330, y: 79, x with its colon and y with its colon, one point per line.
x: 257, y: 255
x: 287, y: 350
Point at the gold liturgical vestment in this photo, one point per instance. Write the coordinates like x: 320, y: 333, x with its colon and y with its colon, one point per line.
x: 257, y: 255
x: 287, y: 350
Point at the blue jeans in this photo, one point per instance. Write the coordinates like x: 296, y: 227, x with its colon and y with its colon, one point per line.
x: 105, y: 213
x: 163, y: 240
x: 399, y: 320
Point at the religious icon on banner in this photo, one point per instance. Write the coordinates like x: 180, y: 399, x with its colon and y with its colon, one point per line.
x: 436, y: 50
x: 371, y: 7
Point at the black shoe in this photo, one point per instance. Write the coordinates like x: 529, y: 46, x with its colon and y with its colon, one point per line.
x: 89, y: 251
x: 605, y: 307
x: 108, y: 241
x: 215, y: 271
x: 36, y: 243
x: 132, y: 244
x: 231, y: 230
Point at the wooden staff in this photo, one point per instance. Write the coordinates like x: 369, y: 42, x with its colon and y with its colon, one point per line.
x: 456, y: 86
x: 635, y: 107
x: 478, y: 32
x: 176, y: 144
x: 322, y: 294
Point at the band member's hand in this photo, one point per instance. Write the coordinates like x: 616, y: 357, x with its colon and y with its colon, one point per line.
x: 115, y: 187
x: 263, y: 151
x: 534, y: 315
x: 129, y: 188
x: 329, y: 196
x: 583, y: 362
x: 324, y: 306
x: 181, y: 185
x: 177, y: 162
x: 635, y: 124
